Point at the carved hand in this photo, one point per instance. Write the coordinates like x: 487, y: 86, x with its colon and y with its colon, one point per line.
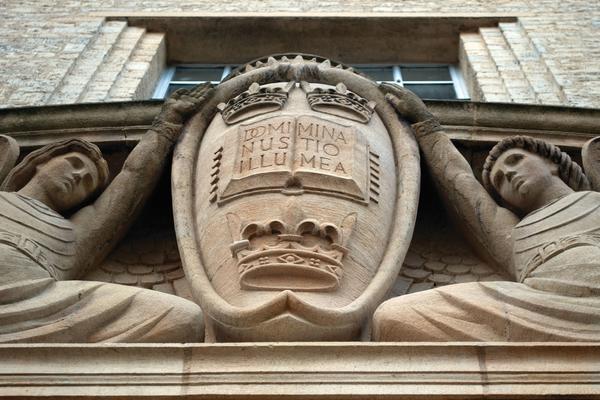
x: 406, y: 103
x: 182, y: 103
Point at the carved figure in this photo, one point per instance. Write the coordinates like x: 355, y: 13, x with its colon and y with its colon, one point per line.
x: 537, y: 220
x: 42, y: 250
x: 313, y: 194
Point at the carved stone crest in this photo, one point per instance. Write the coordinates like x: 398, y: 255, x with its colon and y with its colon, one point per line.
x: 293, y: 212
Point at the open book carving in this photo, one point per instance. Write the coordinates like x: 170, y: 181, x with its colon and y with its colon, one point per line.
x: 293, y: 154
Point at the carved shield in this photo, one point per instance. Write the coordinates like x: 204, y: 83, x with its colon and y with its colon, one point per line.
x: 295, y: 193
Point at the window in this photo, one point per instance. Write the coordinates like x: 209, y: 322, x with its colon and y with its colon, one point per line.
x: 185, y: 76
x: 428, y: 81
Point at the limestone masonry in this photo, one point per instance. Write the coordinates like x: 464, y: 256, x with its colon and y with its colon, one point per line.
x: 299, y: 229
x: 68, y: 52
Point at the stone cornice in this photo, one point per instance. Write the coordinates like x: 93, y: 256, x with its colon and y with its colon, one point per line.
x: 302, y: 370
x: 469, y: 122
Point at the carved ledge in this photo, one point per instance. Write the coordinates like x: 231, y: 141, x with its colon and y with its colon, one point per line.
x: 119, y: 123
x: 302, y: 371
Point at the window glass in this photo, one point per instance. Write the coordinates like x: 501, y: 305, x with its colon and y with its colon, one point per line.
x: 201, y: 74
x: 432, y: 91
x: 174, y: 86
x: 438, y: 73
x: 380, y: 74
x: 427, y: 81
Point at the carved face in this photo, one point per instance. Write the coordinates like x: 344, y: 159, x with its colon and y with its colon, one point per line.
x: 521, y: 177
x: 68, y: 179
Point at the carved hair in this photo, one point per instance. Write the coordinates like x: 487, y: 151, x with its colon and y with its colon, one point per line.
x: 569, y: 171
x: 20, y: 175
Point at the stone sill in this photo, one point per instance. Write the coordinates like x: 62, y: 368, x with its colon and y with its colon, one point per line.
x: 301, y: 370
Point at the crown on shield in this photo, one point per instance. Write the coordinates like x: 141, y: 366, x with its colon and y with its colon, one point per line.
x: 275, y: 256
x: 254, y: 101
x: 339, y: 101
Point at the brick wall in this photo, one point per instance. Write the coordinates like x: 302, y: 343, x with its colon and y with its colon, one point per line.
x: 58, y: 52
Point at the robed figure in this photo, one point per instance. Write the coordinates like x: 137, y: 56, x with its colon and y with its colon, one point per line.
x: 534, y: 216
x: 57, y: 221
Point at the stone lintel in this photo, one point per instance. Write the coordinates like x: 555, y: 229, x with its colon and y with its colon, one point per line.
x: 301, y: 370
x: 470, y: 122
x: 373, y: 38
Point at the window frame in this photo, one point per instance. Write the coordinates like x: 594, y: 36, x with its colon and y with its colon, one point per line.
x: 457, y: 79
x: 166, y: 77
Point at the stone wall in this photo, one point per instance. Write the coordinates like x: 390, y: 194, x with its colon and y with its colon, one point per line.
x: 67, y: 51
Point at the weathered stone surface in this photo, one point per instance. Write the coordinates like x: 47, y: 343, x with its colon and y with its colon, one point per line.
x: 10, y: 152
x: 413, y: 260
x: 458, y: 269
x: 42, y: 249
x: 165, y: 287
x: 468, y: 278
x: 435, y: 266
x: 534, y: 216
x: 320, y: 370
x: 312, y: 370
x: 416, y: 273
x: 552, y: 42
x: 418, y: 287
x: 441, y: 278
x: 139, y: 269
x: 285, y: 223
x: 482, y: 270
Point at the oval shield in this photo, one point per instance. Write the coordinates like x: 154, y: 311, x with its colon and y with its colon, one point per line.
x: 295, y: 194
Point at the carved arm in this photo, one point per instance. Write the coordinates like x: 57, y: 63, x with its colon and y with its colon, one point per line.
x: 102, y: 224
x: 9, y: 152
x: 487, y: 225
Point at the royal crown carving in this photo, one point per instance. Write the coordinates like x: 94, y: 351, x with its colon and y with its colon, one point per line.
x: 273, y: 255
x: 339, y: 101
x: 256, y: 100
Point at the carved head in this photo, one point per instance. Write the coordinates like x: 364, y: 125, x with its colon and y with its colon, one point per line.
x: 67, y: 173
x: 520, y: 169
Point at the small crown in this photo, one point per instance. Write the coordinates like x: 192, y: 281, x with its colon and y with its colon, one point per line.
x: 274, y: 256
x: 339, y: 101
x: 255, y: 101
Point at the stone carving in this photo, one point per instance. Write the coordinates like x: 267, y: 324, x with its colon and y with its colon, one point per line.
x: 255, y: 101
x: 590, y: 154
x: 306, y: 257
x: 537, y: 221
x: 322, y: 155
x: 147, y: 258
x: 302, y: 233
x: 437, y: 259
x: 42, y: 250
x: 9, y: 149
x: 340, y: 102
x: 214, y: 174
x: 374, y: 176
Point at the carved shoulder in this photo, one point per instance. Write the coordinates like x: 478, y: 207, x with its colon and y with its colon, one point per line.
x: 9, y: 152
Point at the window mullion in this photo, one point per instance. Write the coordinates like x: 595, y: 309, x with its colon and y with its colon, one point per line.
x: 226, y: 71
x: 163, y: 85
x: 382, y: 71
x: 459, y: 84
x: 397, y: 75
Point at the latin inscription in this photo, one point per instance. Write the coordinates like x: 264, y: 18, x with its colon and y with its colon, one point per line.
x: 321, y: 154
x: 302, y: 144
x: 265, y: 146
